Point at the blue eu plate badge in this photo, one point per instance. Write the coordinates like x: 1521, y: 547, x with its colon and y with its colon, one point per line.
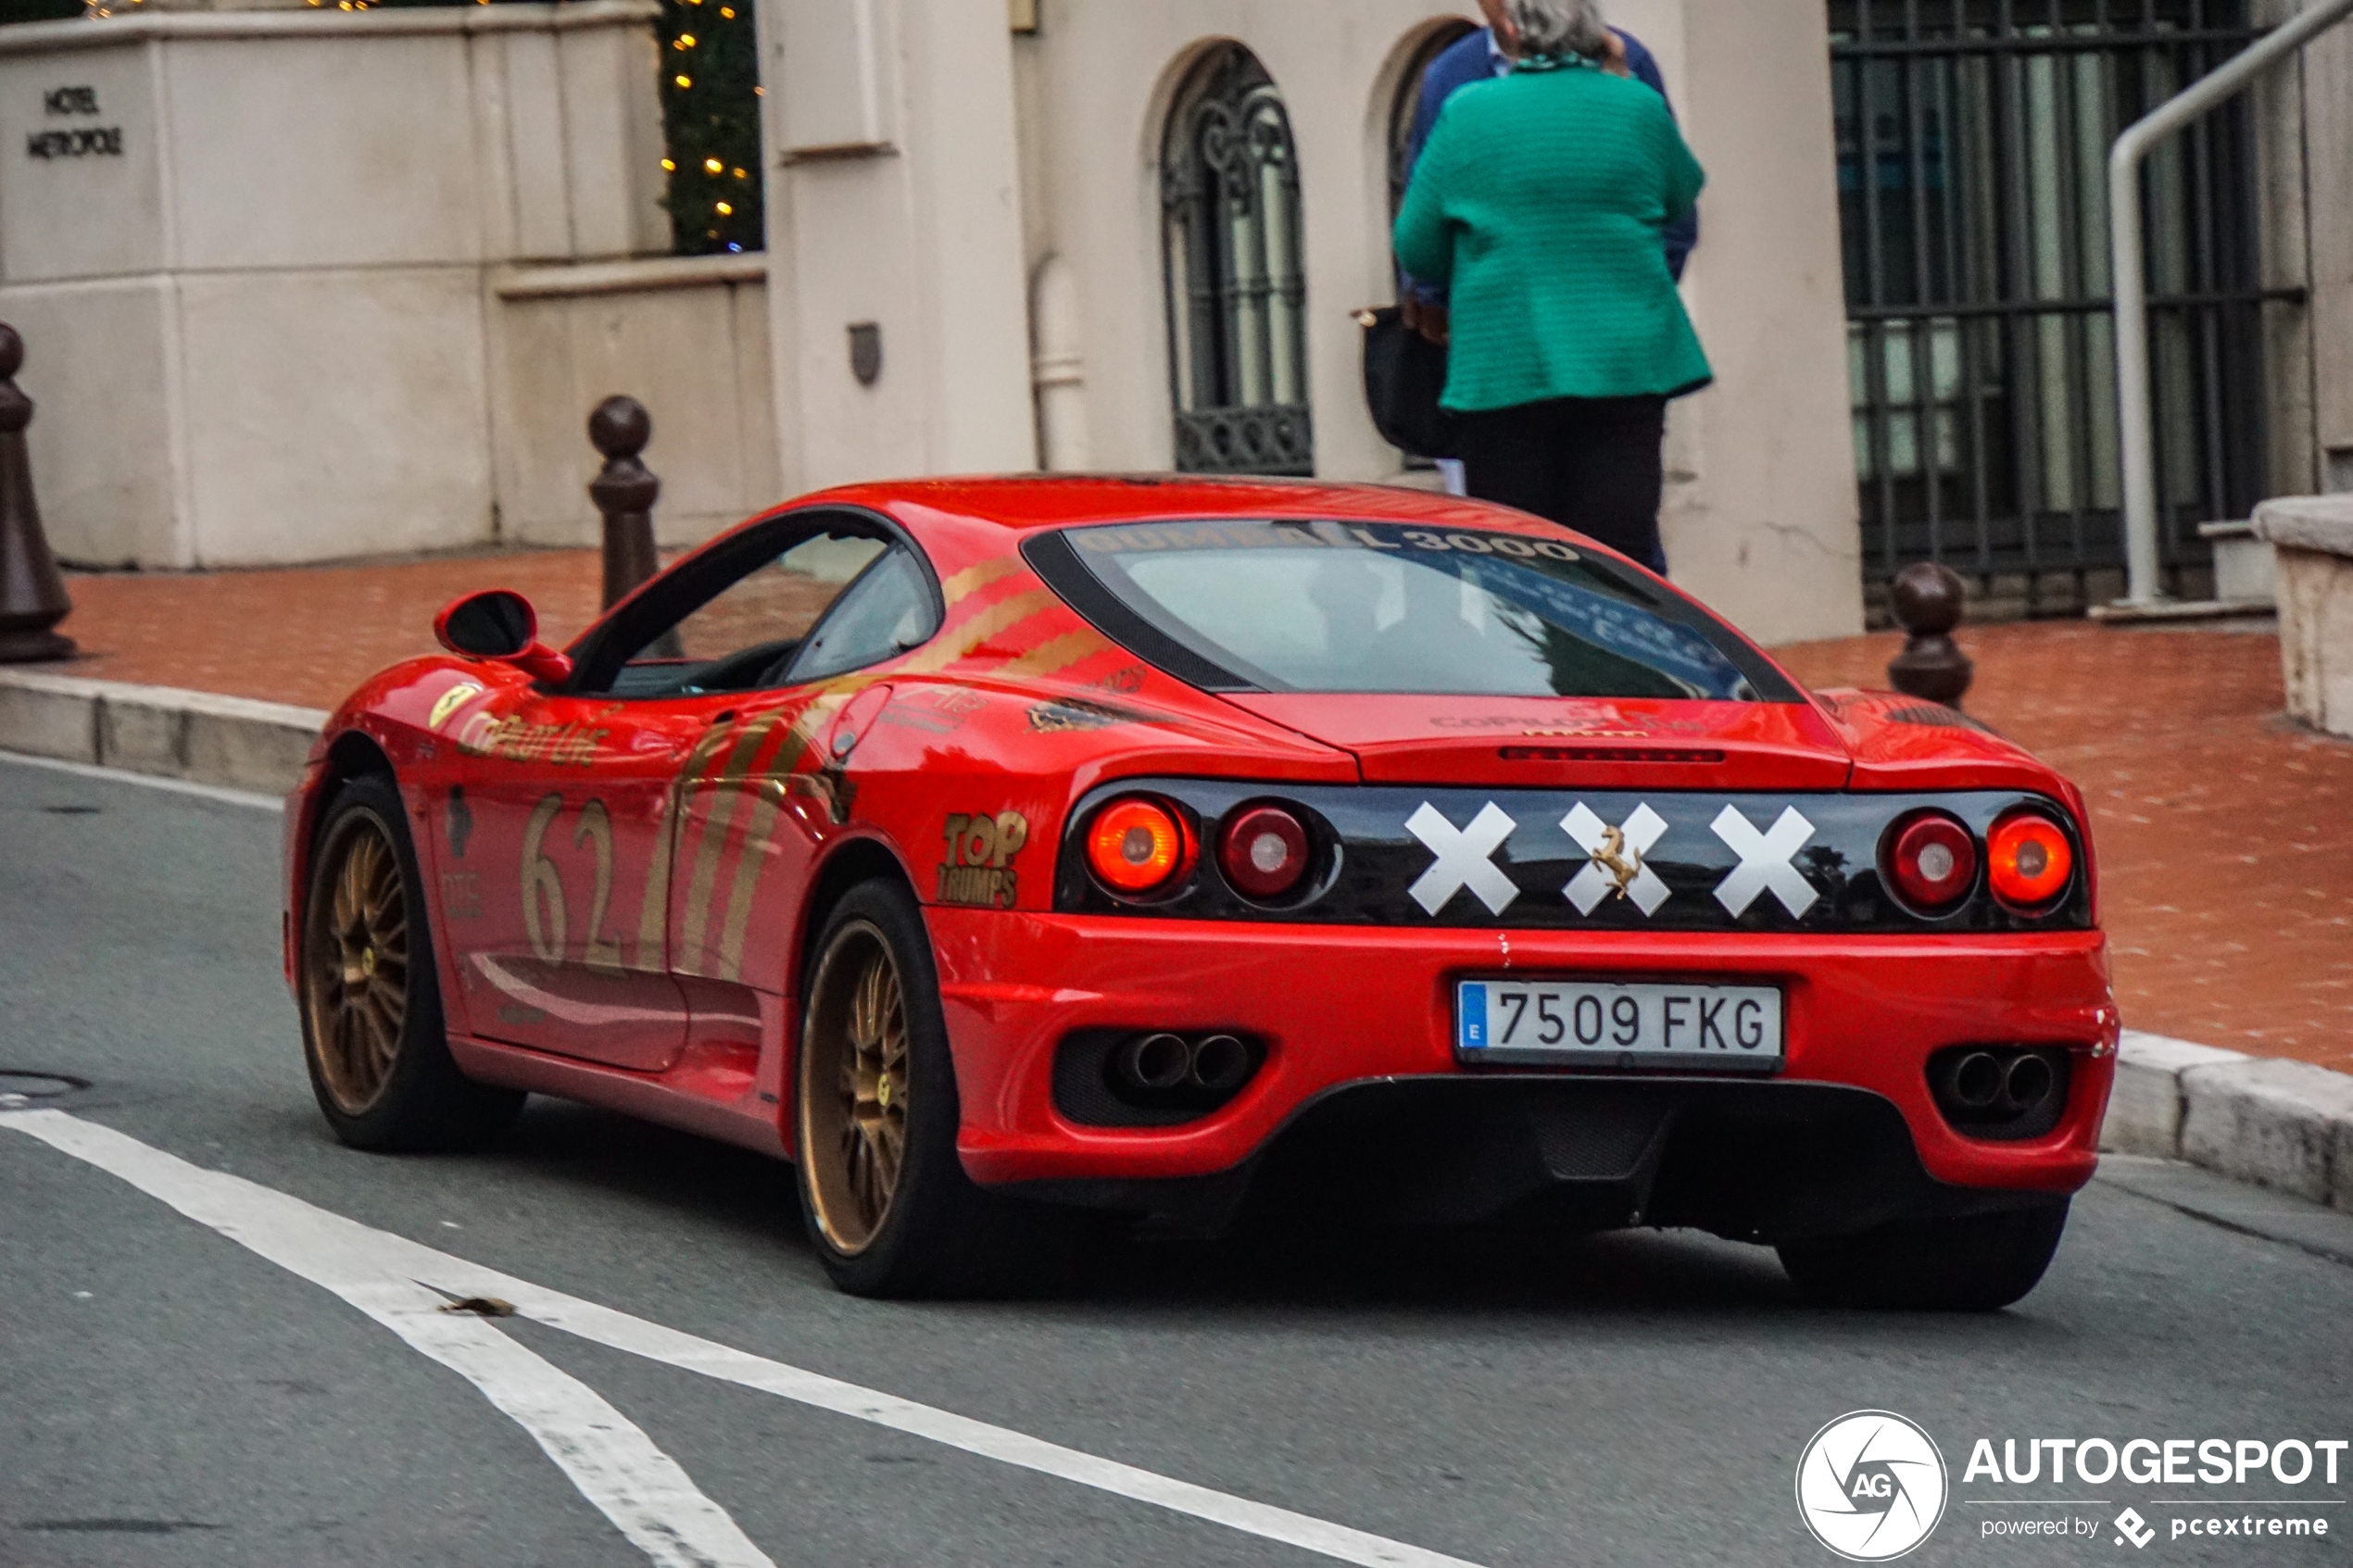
x: 1472, y: 1011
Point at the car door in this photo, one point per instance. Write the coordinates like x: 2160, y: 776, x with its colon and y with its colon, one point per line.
x: 578, y: 796
x: 565, y: 821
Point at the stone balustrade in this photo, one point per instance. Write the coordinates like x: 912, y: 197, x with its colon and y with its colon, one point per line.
x: 2314, y: 538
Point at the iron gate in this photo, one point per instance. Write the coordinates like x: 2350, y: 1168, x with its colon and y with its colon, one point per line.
x: 1972, y: 146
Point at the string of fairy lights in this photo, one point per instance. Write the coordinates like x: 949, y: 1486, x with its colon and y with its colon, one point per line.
x: 711, y: 112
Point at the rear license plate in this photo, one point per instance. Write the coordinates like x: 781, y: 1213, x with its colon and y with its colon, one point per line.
x: 1709, y: 1027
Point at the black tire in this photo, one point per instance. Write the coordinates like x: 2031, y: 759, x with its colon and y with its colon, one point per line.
x: 934, y: 1231
x: 1970, y: 1263
x: 373, y: 1036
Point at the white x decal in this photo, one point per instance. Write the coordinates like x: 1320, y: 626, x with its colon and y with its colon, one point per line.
x: 1764, y: 862
x: 1618, y: 867
x: 1465, y: 858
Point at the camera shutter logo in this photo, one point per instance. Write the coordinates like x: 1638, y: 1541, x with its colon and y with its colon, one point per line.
x: 1872, y: 1485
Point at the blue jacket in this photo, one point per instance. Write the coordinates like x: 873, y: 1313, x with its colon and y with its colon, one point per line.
x: 1472, y: 58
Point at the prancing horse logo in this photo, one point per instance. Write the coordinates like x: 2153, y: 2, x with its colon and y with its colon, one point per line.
x: 1612, y: 857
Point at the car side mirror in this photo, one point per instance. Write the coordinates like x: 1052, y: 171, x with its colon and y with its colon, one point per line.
x: 500, y: 623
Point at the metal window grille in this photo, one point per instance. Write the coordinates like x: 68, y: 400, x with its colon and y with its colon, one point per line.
x: 1237, y: 287
x: 1973, y: 148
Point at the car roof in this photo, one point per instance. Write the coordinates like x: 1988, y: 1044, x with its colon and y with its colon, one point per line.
x: 1028, y: 502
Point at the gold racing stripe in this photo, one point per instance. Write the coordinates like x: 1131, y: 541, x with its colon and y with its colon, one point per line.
x: 972, y: 579
x: 653, y: 912
x: 727, y: 783
x: 1054, y: 656
x: 766, y: 810
x: 975, y: 633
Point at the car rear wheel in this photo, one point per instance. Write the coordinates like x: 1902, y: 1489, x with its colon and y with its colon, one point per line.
x: 1967, y: 1264
x: 883, y: 1191
x: 373, y: 1032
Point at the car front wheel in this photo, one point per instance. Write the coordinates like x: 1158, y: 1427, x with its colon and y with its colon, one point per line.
x: 1965, y: 1263
x: 372, y: 1034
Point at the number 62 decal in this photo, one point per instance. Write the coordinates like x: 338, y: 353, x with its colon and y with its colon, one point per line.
x: 543, y: 885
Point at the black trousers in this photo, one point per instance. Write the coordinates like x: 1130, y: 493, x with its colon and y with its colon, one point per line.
x: 1592, y: 464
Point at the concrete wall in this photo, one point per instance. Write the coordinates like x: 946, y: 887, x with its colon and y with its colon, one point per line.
x: 1760, y: 515
x: 261, y: 332
x: 687, y: 337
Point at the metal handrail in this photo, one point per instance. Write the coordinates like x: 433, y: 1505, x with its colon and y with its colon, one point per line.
x: 2136, y: 418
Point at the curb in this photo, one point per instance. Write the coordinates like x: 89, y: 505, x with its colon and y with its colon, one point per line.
x: 2287, y: 1125
x: 199, y: 737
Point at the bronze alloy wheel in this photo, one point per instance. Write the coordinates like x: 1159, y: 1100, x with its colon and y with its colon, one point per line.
x: 356, y: 963
x: 853, y: 1086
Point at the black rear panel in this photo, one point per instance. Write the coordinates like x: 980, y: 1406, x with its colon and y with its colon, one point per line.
x: 1370, y: 860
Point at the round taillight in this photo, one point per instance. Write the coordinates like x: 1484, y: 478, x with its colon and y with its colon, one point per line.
x: 1933, y: 861
x: 2030, y: 859
x: 1136, y: 845
x: 1264, y: 852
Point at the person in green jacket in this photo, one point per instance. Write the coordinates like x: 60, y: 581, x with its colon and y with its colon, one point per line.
x: 1539, y: 204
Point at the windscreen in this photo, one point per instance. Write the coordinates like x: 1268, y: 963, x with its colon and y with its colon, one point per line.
x: 1349, y: 606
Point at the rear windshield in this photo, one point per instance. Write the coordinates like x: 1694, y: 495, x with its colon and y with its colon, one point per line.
x: 1362, y: 607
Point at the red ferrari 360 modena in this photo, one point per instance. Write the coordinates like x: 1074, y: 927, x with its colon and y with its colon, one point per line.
x: 1007, y: 851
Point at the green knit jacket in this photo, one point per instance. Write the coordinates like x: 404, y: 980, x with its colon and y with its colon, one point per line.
x: 1537, y: 203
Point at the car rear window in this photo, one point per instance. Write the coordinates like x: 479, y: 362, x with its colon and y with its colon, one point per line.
x: 1370, y: 606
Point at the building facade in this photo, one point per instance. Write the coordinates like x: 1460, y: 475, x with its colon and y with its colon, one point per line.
x: 347, y: 283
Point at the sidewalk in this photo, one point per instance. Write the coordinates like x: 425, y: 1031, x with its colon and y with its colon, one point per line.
x: 2225, y: 841
x: 2224, y: 833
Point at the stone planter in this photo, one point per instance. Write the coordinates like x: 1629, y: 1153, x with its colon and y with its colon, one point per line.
x: 2314, y: 538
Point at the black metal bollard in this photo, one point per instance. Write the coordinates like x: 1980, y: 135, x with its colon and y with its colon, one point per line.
x: 625, y: 492
x: 1927, y: 600
x: 32, y: 591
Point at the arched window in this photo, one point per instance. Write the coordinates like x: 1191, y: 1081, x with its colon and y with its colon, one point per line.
x: 1237, y: 287
x: 1436, y: 41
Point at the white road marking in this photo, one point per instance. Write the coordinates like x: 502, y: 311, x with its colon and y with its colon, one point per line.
x: 615, y: 1465
x: 389, y: 1277
x: 247, y: 798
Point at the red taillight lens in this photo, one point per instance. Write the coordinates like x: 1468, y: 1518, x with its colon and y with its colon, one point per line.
x: 2030, y: 859
x: 1136, y: 845
x: 1264, y: 852
x: 1932, y: 860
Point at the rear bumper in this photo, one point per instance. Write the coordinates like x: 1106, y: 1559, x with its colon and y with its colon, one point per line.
x: 1343, y: 1010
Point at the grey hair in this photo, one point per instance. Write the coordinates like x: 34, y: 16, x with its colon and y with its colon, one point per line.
x: 1559, y: 27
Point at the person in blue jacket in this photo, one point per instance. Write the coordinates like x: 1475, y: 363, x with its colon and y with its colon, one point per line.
x: 1480, y: 56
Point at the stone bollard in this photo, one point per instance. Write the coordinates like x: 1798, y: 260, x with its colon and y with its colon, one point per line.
x: 33, y: 594
x: 1928, y: 606
x: 625, y: 492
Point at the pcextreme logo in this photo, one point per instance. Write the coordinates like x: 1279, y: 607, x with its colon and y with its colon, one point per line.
x: 1872, y: 1485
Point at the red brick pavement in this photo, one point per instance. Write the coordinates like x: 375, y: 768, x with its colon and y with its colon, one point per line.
x: 2225, y: 834
x: 304, y: 634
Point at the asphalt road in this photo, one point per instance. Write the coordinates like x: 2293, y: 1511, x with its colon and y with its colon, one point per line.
x: 170, y: 1395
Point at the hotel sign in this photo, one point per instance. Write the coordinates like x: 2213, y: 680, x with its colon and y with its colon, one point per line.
x: 74, y: 141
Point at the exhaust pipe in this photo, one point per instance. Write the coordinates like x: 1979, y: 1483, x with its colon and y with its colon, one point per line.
x: 1155, y: 1063
x: 1978, y: 1080
x: 1220, y: 1064
x: 2028, y: 1082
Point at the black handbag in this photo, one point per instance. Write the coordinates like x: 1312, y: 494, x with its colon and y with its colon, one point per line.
x: 1405, y: 378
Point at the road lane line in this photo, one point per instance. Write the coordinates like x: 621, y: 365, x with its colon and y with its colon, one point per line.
x: 327, y: 1250
x: 608, y: 1458
x: 247, y: 798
